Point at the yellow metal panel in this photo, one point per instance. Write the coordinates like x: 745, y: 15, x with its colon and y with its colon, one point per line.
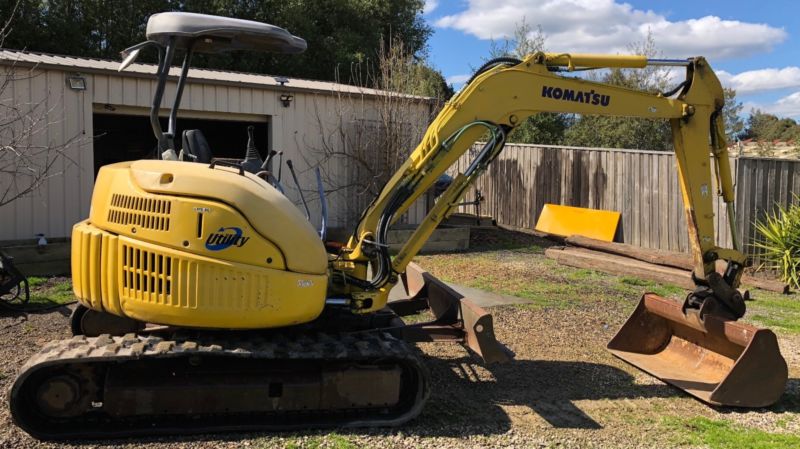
x: 166, y: 286
x: 75, y: 259
x: 596, y: 60
x: 93, y: 260
x: 182, y: 223
x: 158, y: 284
x: 94, y: 269
x: 162, y: 203
x: 111, y: 291
x: 565, y: 221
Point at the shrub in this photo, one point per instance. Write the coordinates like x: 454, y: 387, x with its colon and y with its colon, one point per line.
x: 780, y: 243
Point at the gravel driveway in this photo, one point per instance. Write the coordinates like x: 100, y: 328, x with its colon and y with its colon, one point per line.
x: 563, y: 390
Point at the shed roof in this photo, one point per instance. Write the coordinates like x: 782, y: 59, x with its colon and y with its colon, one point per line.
x: 95, y: 65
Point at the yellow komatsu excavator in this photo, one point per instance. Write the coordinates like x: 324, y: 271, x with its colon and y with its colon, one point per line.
x: 254, y: 323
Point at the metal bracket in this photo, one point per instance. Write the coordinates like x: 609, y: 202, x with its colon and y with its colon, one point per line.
x: 457, y: 318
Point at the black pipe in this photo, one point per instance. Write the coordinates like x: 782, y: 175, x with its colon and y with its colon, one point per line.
x: 163, y: 72
x: 173, y: 114
x: 492, y: 63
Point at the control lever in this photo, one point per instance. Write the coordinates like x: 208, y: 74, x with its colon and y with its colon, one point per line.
x: 280, y: 167
x: 266, y: 171
x: 278, y: 184
x: 297, y: 184
x: 252, y: 160
x: 267, y: 165
x: 323, y: 225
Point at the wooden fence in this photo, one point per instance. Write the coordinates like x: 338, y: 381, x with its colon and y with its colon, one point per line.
x: 642, y: 185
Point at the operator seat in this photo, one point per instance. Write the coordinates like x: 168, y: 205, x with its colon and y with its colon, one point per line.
x: 196, y: 146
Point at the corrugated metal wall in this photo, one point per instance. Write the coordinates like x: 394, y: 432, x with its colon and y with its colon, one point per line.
x: 64, y: 199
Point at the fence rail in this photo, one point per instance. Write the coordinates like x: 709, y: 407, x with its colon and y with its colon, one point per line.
x: 641, y: 185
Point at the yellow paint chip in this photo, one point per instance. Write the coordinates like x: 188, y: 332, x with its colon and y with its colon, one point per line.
x: 565, y: 221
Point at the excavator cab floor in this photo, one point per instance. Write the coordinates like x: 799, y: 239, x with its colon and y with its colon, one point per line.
x: 719, y: 361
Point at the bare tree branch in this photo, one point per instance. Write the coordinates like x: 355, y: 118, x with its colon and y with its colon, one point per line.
x: 27, y: 158
x: 372, y: 134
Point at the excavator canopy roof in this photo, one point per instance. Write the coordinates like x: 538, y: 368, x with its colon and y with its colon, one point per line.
x: 213, y: 34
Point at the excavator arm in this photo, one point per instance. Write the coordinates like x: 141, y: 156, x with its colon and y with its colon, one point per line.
x: 501, y: 96
x: 698, y: 346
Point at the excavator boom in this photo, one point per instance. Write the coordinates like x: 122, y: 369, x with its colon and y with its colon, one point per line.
x: 502, y: 96
x: 697, y: 345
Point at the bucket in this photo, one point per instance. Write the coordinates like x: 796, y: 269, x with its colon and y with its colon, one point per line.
x: 719, y: 361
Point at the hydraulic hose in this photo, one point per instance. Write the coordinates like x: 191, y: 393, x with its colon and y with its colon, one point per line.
x: 406, y: 189
x: 505, y: 60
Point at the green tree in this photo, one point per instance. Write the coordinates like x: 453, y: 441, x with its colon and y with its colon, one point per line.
x: 623, y: 132
x: 757, y: 124
x: 429, y: 82
x: 545, y: 128
x: 341, y: 34
x: 93, y: 28
x: 731, y: 113
x: 398, y: 70
x: 767, y: 127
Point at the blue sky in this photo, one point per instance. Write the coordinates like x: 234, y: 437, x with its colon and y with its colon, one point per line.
x: 753, y: 45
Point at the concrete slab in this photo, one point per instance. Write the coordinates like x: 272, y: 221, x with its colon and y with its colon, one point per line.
x: 482, y: 298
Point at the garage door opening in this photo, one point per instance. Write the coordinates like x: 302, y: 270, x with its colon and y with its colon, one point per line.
x: 121, y: 138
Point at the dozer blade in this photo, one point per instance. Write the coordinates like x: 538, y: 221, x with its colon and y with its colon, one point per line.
x: 457, y: 318
x: 718, y: 361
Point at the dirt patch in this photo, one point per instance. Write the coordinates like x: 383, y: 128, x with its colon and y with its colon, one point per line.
x: 493, y: 239
x: 563, y: 389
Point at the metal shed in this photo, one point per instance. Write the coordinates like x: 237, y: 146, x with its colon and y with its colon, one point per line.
x: 86, y: 99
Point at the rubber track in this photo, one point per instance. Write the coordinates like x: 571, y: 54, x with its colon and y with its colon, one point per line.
x: 363, y: 347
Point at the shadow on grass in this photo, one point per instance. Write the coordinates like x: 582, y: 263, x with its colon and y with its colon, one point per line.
x: 547, y: 388
x: 46, y: 295
x: 470, y: 399
x: 494, y: 239
x: 38, y: 308
x: 788, y: 403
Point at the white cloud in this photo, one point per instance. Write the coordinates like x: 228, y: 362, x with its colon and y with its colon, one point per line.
x: 788, y: 106
x: 761, y: 80
x: 605, y: 26
x: 430, y: 5
x: 458, y: 79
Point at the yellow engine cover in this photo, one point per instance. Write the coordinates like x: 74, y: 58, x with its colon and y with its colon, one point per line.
x: 178, y: 243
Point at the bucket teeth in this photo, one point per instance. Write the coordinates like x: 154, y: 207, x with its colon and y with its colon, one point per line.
x: 719, y: 361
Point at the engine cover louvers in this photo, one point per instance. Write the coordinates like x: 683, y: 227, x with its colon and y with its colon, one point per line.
x: 142, y: 212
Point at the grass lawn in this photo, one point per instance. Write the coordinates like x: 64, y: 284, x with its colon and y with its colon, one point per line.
x: 515, y: 265
x: 776, y: 311
x: 718, y: 434
x: 49, y: 291
x: 519, y: 267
